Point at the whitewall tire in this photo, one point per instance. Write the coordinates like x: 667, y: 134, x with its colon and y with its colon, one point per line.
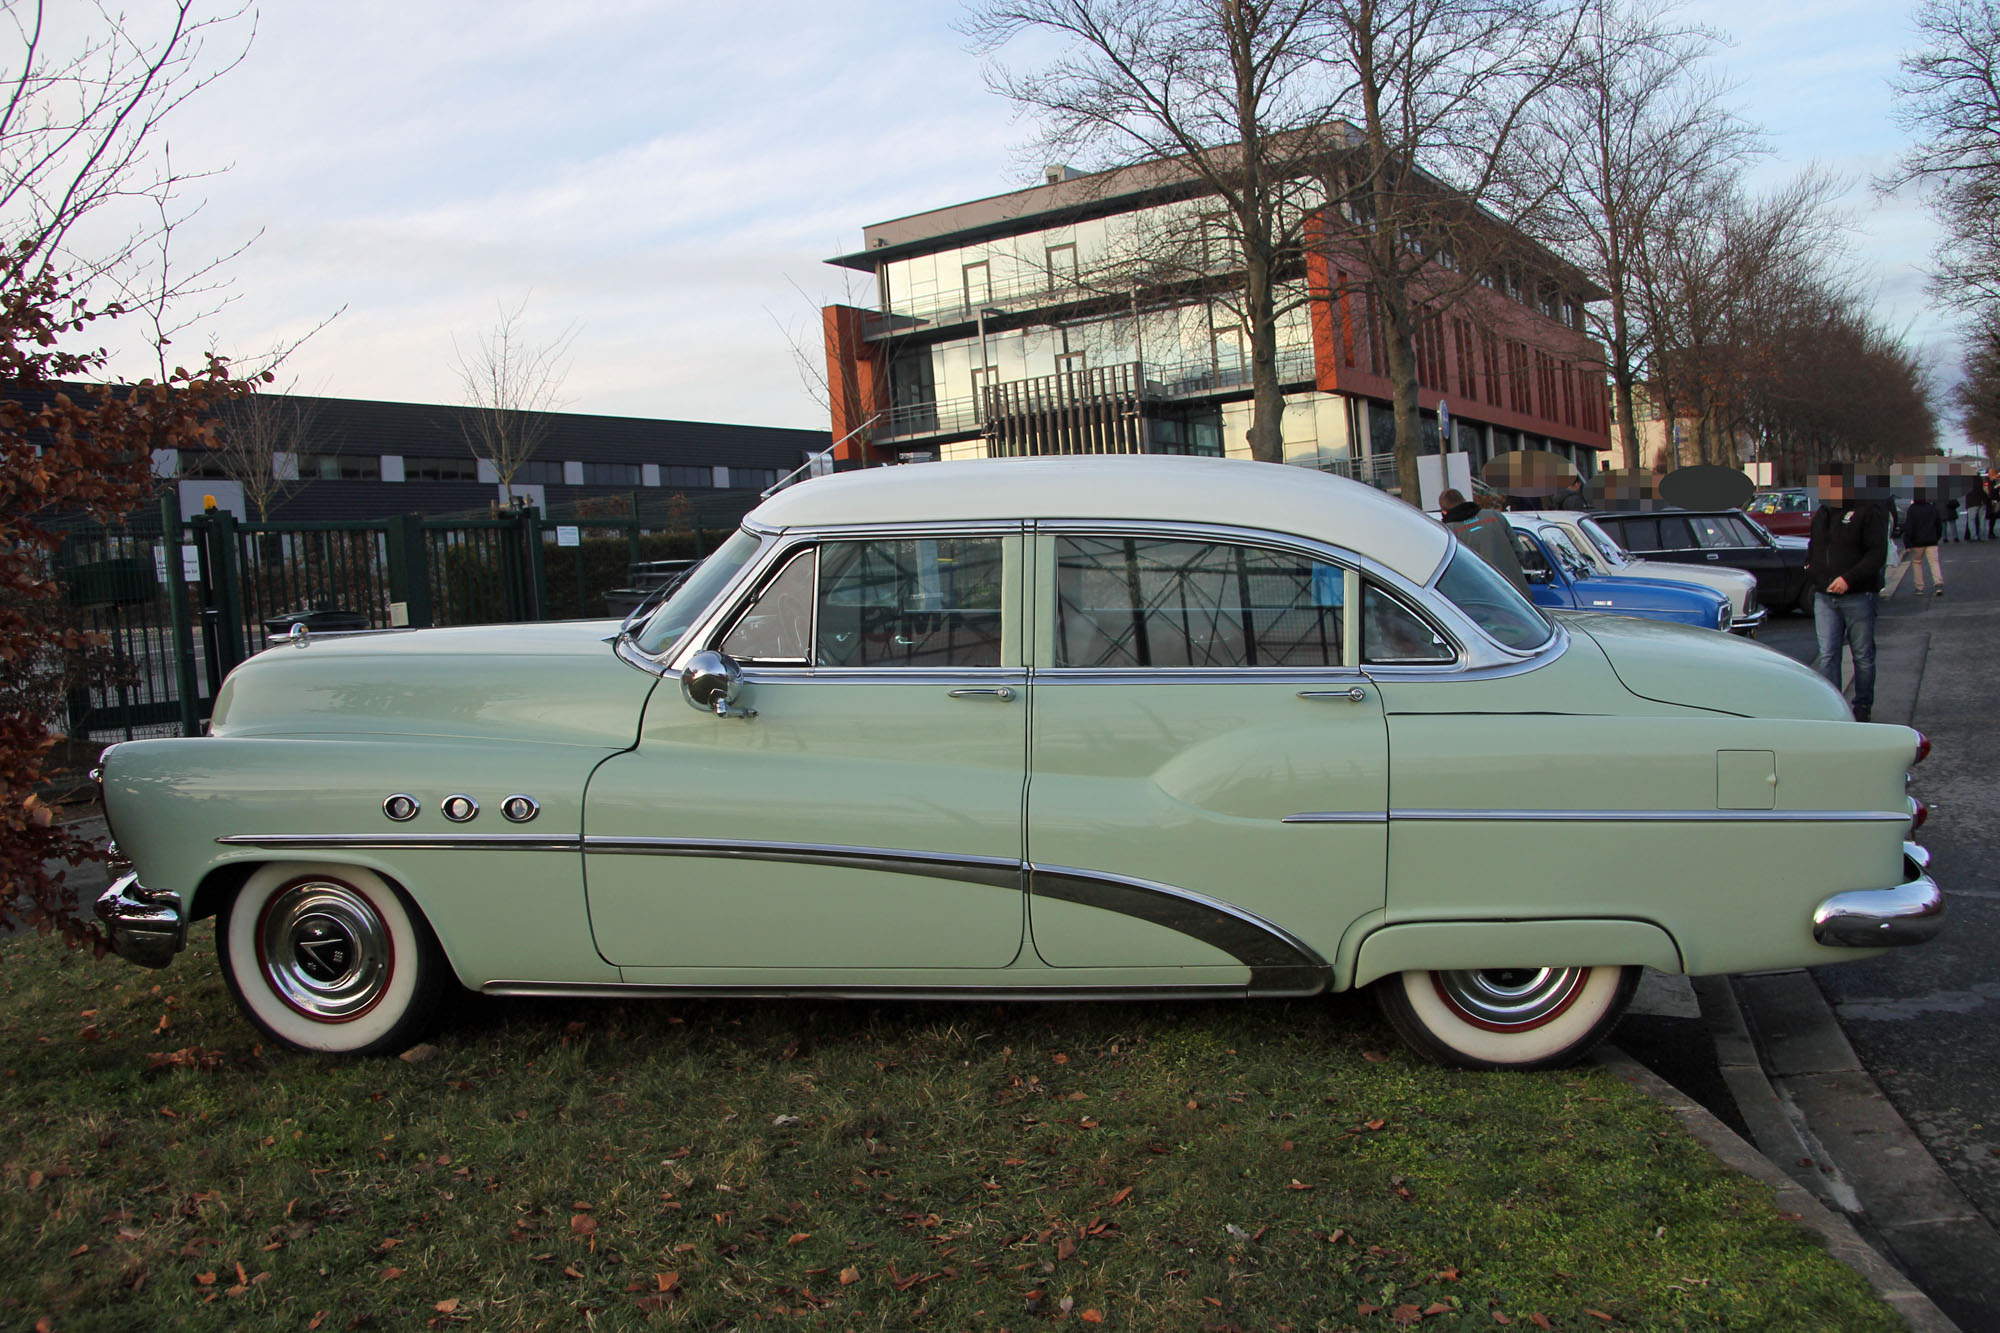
x: 1507, y: 1018
x: 330, y: 958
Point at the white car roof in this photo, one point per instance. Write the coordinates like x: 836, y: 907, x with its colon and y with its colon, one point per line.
x: 1234, y: 492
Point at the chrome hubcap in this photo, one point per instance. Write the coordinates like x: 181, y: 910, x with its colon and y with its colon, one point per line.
x: 325, y: 950
x: 1511, y: 997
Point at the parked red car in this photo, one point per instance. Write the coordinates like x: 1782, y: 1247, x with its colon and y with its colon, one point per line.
x: 1786, y: 513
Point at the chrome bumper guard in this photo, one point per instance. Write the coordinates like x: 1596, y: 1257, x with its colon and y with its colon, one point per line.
x: 145, y: 925
x: 1910, y: 913
x: 1749, y: 624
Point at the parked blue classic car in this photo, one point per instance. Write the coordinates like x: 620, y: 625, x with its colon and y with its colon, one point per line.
x: 1562, y: 578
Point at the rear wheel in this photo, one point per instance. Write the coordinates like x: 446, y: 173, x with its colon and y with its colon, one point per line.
x: 1507, y: 1017
x: 330, y: 958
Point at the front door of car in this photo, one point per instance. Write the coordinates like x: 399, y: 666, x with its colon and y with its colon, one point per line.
x: 1209, y: 764
x: 1547, y: 586
x: 868, y: 815
x: 1730, y: 540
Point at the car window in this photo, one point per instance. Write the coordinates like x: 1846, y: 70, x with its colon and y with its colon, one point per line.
x: 777, y: 627
x: 1564, y: 551
x: 919, y: 602
x: 1747, y: 533
x: 1533, y: 563
x: 1493, y: 603
x: 681, y: 610
x: 1606, y: 544
x: 1675, y: 535
x: 1713, y: 531
x: 1635, y: 534
x: 1394, y: 635
x: 1155, y: 602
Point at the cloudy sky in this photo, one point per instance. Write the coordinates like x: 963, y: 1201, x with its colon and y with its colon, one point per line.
x: 665, y: 178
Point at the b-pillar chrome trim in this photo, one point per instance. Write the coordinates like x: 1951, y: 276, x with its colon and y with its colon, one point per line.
x: 145, y: 926
x: 1910, y: 913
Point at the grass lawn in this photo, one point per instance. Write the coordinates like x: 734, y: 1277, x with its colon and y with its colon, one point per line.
x: 714, y: 1165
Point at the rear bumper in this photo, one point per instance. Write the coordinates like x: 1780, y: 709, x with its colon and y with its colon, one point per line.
x: 145, y: 925
x: 1748, y: 624
x: 1910, y: 913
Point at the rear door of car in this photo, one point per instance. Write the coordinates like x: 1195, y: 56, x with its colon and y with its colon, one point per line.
x: 1208, y: 761
x: 868, y: 817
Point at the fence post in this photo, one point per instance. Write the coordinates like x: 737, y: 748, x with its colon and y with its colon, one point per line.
x: 531, y: 553
x: 409, y: 579
x: 632, y: 536
x: 180, y: 626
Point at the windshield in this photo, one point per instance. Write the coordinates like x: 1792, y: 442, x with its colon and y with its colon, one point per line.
x: 1609, y: 549
x: 667, y: 624
x: 1572, y: 559
x: 1485, y: 595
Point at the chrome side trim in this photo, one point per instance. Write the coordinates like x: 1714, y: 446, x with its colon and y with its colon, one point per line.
x: 422, y: 842
x: 779, y: 991
x: 1654, y: 816
x: 1910, y: 913
x: 1000, y: 872
x: 1279, y: 962
x: 1337, y: 817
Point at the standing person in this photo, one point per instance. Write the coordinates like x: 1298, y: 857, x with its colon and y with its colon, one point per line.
x: 1923, y: 529
x: 1951, y: 518
x: 1844, y: 558
x: 1572, y: 496
x: 1973, y: 512
x: 1486, y: 532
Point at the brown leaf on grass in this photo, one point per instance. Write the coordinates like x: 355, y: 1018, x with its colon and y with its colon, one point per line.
x: 1120, y: 1197
x: 1363, y: 1309
x: 1540, y: 1321
x: 1436, y: 1307
x: 1092, y: 1316
x: 1373, y: 1057
x: 849, y: 1276
x: 79, y: 1251
x: 1374, y: 1124
x: 242, y: 1276
x: 799, y: 1237
x: 1060, y: 1058
x: 1446, y: 1275
x: 447, y: 1305
x: 1597, y: 1314
x: 204, y: 1279
x: 1065, y: 1248
x: 386, y: 1244
x: 391, y: 1273
x: 1499, y: 1318
x: 583, y: 1224
x: 572, y: 1271
x: 318, y: 1318
x: 667, y: 1281
x: 1298, y: 1185
x: 1405, y: 1314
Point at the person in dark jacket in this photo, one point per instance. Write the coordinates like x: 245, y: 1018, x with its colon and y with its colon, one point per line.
x: 1844, y: 559
x: 1487, y: 533
x: 1951, y: 518
x: 1572, y: 496
x: 1974, y: 510
x: 1923, y: 529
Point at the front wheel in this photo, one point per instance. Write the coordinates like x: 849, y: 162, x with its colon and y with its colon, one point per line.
x: 330, y: 958
x: 1507, y: 1017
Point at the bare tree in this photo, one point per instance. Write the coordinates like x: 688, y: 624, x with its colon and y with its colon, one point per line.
x: 1443, y: 92
x: 511, y: 383
x: 261, y: 443
x: 1951, y: 98
x: 1978, y: 394
x: 1231, y: 91
x: 1637, y: 127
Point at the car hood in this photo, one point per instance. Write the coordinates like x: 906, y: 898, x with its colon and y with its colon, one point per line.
x: 1735, y: 584
x: 557, y: 683
x: 1674, y: 664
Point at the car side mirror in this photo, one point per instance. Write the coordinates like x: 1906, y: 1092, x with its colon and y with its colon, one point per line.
x: 711, y: 682
x: 1536, y: 575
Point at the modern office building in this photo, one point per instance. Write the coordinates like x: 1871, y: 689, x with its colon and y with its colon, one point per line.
x: 999, y: 329
x: 345, y: 458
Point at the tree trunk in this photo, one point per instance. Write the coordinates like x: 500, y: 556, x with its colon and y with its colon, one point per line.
x: 1267, y: 403
x: 1397, y: 330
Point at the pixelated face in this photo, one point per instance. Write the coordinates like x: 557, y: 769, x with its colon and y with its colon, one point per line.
x: 1833, y: 489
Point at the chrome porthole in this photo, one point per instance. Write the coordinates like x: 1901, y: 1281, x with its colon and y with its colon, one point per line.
x: 518, y: 809
x: 325, y: 950
x: 1509, y: 999
x: 402, y: 807
x: 459, y: 808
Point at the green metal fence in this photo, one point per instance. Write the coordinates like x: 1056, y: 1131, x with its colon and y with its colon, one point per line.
x: 182, y: 601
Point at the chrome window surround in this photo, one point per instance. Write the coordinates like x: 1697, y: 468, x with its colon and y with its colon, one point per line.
x: 755, y: 594
x: 1479, y: 654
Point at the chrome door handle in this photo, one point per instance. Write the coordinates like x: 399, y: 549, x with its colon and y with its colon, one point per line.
x: 1355, y: 695
x: 1000, y: 692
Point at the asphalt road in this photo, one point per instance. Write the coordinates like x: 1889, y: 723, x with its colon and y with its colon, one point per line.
x: 1926, y: 1021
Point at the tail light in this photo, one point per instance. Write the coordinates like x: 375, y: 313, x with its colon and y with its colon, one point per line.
x: 1923, y: 748
x: 1919, y: 812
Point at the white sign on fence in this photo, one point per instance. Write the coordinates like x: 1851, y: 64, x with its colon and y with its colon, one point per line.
x: 190, y: 564
x: 568, y: 534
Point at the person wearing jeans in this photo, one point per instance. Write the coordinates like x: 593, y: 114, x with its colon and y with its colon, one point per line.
x: 1844, y: 559
x: 1923, y: 529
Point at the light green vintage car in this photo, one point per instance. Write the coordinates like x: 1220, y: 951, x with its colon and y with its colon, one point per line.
x: 1030, y: 729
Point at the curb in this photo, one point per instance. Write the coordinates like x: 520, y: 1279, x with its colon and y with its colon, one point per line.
x: 1842, y: 1241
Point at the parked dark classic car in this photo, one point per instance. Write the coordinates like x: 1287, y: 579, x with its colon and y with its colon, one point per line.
x: 1029, y: 729
x: 1718, y: 537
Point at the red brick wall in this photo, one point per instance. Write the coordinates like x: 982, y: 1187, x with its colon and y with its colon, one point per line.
x: 856, y: 380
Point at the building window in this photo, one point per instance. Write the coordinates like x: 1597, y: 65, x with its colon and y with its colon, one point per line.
x: 339, y: 467
x: 687, y: 478
x: 1063, y: 272
x: 753, y: 478
x: 201, y: 463
x: 539, y: 472
x: 440, y: 469
x: 611, y: 474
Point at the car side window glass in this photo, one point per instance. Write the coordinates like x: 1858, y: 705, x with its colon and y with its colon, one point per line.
x: 1570, y: 558
x: 1394, y: 635
x: 1742, y: 531
x: 1533, y: 563
x: 909, y: 602
x: 1147, y: 602
x: 1637, y: 534
x: 1715, y: 531
x: 1675, y: 536
x: 777, y: 628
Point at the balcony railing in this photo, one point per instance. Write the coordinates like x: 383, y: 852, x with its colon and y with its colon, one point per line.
x: 1170, y: 382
